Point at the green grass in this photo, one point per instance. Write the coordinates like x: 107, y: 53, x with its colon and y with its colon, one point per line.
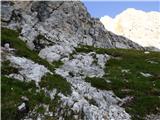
x: 12, y: 90
x: 6, y: 68
x: 55, y: 81
x: 142, y: 105
x: 57, y: 64
x: 146, y: 90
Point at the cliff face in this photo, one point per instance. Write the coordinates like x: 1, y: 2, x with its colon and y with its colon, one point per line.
x: 59, y: 22
x: 139, y: 26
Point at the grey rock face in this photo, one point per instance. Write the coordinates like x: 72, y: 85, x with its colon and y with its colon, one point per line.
x: 6, y: 12
x: 153, y: 117
x: 117, y: 113
x: 83, y: 65
x: 55, y: 52
x: 122, y: 42
x: 151, y: 48
x: 29, y: 69
x: 58, y: 22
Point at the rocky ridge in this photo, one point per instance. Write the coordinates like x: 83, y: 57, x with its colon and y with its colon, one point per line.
x: 65, y: 23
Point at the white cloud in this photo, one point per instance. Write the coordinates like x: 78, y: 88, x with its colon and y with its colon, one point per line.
x: 139, y: 26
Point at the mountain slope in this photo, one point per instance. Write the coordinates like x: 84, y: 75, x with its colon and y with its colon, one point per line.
x: 48, y: 73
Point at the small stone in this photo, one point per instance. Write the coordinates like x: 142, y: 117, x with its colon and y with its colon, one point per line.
x: 22, y: 107
x: 24, y: 98
x: 125, y: 71
x: 76, y: 108
x: 75, y: 117
x: 28, y: 69
x: 108, y: 81
x: 16, y: 76
x: 146, y: 52
x: 145, y: 74
x: 6, y: 45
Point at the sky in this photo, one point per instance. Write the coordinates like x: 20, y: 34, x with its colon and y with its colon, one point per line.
x: 112, y: 8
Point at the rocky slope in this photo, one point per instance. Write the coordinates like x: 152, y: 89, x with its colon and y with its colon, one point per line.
x: 43, y: 69
x: 66, y: 23
x: 77, y: 99
x: 139, y: 26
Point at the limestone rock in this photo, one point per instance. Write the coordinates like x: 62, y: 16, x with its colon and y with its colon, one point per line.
x: 16, y: 76
x: 145, y: 74
x: 6, y: 12
x: 29, y: 69
x: 60, y: 22
x: 152, y: 117
x: 117, y: 113
x: 54, y: 53
x: 83, y: 64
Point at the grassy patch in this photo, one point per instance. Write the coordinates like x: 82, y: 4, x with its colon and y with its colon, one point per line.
x: 146, y: 90
x: 57, y: 64
x: 99, y: 83
x: 56, y: 81
x: 142, y: 105
x: 13, y: 90
x: 7, y: 68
